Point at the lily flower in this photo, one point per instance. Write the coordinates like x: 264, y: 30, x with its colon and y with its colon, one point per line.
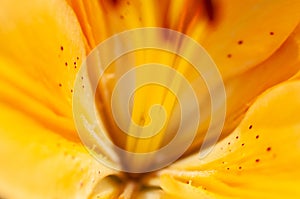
x: 254, y: 43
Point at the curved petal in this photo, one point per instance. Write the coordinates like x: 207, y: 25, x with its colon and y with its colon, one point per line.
x: 41, y: 50
x: 248, y: 32
x: 35, y: 163
x: 282, y: 65
x: 40, y: 154
x: 260, y: 159
x: 242, y: 89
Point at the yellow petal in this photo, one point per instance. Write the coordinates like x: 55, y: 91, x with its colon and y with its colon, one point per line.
x: 248, y: 32
x: 241, y: 90
x: 41, y: 50
x: 36, y: 163
x: 260, y: 159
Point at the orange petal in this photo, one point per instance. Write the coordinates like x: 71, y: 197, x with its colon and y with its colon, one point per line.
x: 244, y: 88
x: 248, y: 32
x: 41, y: 50
x: 36, y: 163
x: 260, y: 159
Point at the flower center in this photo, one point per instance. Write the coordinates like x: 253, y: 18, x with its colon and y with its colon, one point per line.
x: 138, y: 98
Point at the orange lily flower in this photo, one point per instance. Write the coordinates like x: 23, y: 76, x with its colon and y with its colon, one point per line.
x: 254, y: 43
